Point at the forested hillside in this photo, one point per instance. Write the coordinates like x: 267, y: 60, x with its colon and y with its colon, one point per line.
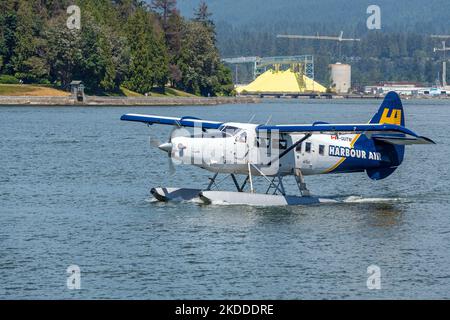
x: 422, y: 16
x: 121, y: 43
x: 144, y: 46
x: 401, y: 50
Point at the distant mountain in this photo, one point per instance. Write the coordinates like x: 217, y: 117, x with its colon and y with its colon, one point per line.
x: 330, y: 15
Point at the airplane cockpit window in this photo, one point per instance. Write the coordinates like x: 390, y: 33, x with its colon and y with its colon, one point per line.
x: 229, y: 130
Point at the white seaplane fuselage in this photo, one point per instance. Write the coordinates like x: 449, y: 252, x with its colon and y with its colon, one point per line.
x: 230, y: 149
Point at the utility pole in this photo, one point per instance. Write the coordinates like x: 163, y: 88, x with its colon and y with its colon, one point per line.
x: 444, y: 50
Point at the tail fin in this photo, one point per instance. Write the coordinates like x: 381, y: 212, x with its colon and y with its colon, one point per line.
x: 391, y: 111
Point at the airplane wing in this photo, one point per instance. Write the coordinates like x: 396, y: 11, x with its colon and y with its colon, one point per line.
x: 181, y: 122
x: 390, y: 133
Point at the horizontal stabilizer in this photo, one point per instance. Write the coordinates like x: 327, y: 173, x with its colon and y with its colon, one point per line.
x: 403, y: 140
x: 374, y: 129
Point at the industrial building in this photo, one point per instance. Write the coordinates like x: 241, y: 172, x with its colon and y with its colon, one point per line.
x: 405, y: 88
x: 341, y: 77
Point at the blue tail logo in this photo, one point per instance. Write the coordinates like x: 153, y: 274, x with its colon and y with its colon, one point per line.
x: 391, y: 111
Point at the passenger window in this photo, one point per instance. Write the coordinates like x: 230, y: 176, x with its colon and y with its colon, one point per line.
x: 298, y: 148
x: 308, y: 147
x: 322, y: 150
x: 276, y: 143
x: 263, y: 143
x: 283, y: 144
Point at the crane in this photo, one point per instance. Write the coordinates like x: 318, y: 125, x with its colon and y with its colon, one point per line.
x: 440, y: 36
x: 339, y: 39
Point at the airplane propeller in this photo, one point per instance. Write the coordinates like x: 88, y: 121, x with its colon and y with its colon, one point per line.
x: 166, y: 147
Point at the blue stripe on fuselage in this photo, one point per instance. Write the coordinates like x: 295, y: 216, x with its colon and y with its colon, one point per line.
x: 365, y: 154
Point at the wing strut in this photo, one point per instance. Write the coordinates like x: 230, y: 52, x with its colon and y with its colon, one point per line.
x: 285, y: 152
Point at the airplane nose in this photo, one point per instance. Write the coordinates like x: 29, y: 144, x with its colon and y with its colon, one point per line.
x: 167, y: 147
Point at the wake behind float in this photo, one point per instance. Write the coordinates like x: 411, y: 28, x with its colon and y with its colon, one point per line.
x: 273, y: 152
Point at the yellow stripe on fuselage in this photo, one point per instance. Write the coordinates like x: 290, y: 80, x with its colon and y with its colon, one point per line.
x: 352, y: 144
x: 335, y: 166
x: 394, y: 118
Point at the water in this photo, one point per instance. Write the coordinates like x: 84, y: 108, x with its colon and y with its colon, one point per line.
x: 74, y: 188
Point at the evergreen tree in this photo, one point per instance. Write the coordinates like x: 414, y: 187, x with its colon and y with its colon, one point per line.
x: 172, y: 24
x: 8, y: 27
x: 203, y: 16
x: 165, y: 8
x: 202, y: 71
x: 63, y: 52
x: 148, y: 55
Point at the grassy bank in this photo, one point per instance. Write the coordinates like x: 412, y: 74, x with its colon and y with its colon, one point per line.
x: 26, y: 90
x: 168, y: 92
x: 30, y: 91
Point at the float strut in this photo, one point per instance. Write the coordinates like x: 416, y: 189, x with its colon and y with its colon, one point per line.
x: 239, y: 189
x: 301, y: 183
x: 252, y: 190
x: 212, y: 182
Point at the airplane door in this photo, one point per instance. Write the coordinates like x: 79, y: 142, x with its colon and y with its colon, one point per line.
x: 241, y: 147
x: 305, y: 156
x: 213, y: 151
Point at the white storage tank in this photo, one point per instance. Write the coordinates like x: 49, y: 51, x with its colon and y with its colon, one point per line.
x: 341, y: 77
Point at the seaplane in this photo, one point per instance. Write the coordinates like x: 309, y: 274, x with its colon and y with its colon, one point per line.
x: 247, y: 151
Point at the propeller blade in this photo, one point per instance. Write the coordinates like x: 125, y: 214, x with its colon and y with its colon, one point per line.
x: 155, y: 143
x: 172, y: 169
x: 172, y: 133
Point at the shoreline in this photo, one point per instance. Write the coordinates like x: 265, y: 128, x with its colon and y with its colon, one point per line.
x: 96, y: 101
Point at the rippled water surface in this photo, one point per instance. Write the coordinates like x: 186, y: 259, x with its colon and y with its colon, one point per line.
x: 74, y: 189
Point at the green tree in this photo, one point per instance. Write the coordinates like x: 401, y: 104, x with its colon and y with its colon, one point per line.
x: 27, y: 58
x: 64, y: 51
x: 8, y: 26
x: 202, y: 70
x: 165, y: 9
x: 203, y: 15
x: 91, y: 68
x: 148, y: 55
